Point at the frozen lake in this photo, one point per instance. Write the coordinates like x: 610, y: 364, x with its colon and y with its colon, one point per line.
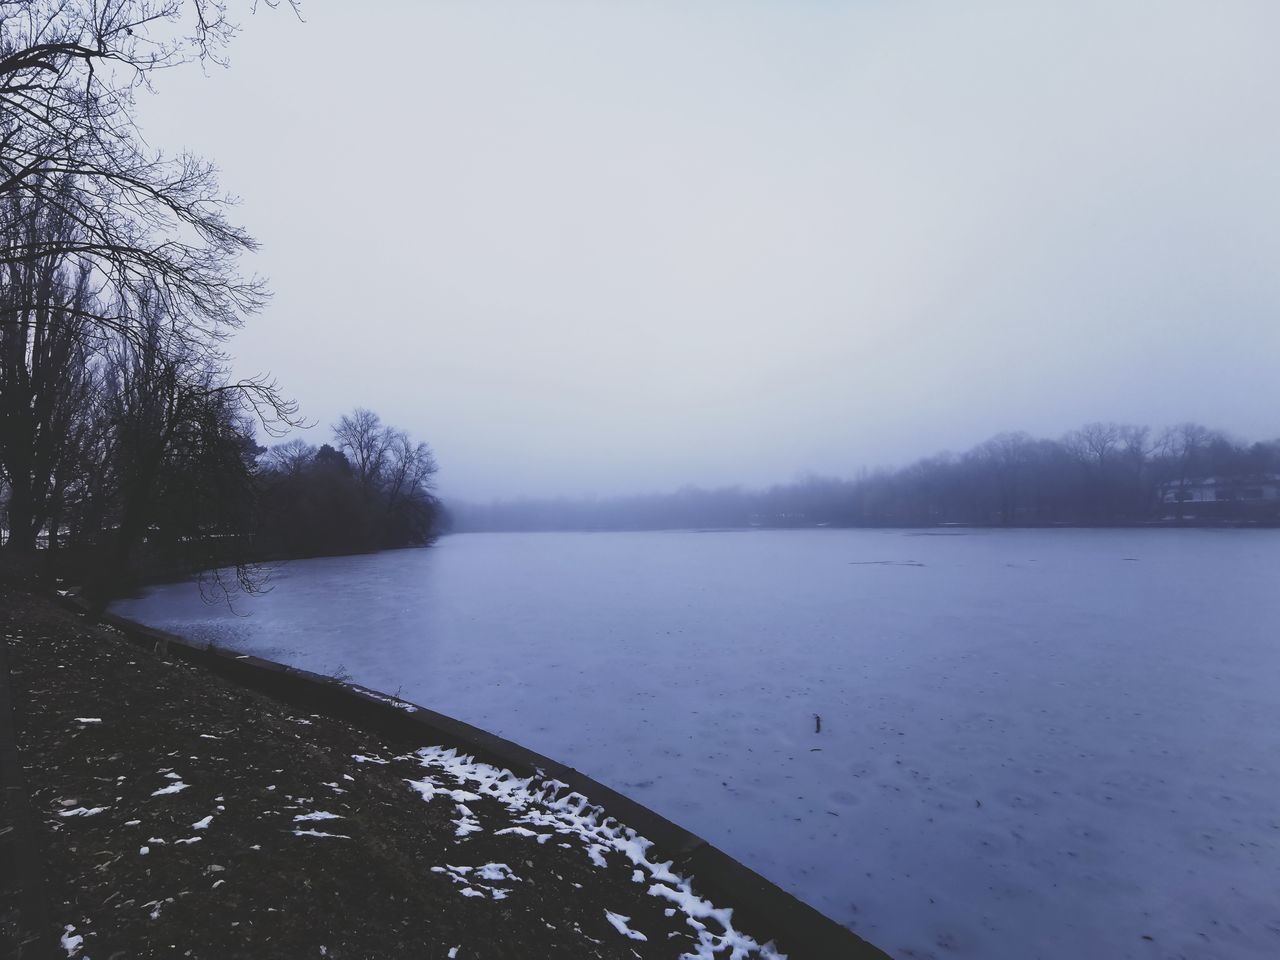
x: 1034, y: 743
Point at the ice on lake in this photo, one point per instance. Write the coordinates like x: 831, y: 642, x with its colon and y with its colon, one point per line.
x: 1033, y: 743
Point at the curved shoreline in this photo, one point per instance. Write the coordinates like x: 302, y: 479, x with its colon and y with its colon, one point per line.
x: 799, y: 929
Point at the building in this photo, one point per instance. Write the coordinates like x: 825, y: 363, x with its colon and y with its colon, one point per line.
x: 1256, y: 496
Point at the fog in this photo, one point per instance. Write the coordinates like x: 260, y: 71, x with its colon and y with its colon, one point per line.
x: 595, y: 248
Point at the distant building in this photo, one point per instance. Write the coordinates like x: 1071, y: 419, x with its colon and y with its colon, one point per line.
x: 1243, y: 496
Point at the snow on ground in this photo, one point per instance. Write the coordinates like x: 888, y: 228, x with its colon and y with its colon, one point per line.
x: 537, y: 802
x: 466, y: 822
x: 619, y: 923
x: 320, y: 833
x: 393, y: 701
x: 82, y: 811
x: 1029, y: 739
x: 470, y: 877
x: 71, y: 941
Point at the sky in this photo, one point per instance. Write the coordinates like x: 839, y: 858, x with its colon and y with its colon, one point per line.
x: 600, y: 248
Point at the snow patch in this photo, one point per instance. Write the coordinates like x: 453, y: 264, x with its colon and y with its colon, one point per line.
x: 383, y: 698
x: 72, y: 942
x: 495, y: 871
x: 595, y: 852
x: 428, y: 788
x: 82, y: 812
x: 520, y: 832
x: 540, y: 802
x: 620, y: 924
x: 469, y: 878
x: 466, y: 822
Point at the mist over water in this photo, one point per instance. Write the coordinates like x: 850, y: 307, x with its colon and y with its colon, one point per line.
x: 1033, y: 743
x: 616, y: 248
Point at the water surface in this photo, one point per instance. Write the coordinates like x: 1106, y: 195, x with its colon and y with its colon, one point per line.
x: 1033, y: 743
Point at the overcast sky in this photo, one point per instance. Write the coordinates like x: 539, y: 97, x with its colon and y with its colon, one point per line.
x: 592, y: 247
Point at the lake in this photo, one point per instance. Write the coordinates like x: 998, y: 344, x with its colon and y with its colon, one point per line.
x: 1034, y: 743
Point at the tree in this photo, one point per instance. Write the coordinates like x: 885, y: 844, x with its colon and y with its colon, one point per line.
x: 148, y: 225
x: 47, y: 375
x: 392, y: 472
x: 373, y: 492
x: 408, y: 477
x: 291, y: 458
x: 118, y: 285
x: 367, y: 445
x: 1095, y: 441
x: 182, y: 448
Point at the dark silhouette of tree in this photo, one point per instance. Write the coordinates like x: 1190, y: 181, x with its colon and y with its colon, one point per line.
x: 366, y: 443
x: 120, y: 425
x: 148, y: 226
x: 372, y: 491
x: 47, y: 377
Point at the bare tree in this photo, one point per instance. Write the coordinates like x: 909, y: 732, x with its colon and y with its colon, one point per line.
x: 374, y: 492
x: 183, y: 455
x: 1094, y: 442
x: 290, y: 458
x: 148, y: 225
x: 409, y: 477
x: 47, y: 377
x: 367, y: 444
x: 114, y: 259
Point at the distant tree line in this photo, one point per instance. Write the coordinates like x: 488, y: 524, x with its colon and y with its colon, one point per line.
x: 1102, y: 474
x: 127, y: 448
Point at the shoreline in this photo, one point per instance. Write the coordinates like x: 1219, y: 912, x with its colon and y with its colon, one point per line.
x: 762, y: 908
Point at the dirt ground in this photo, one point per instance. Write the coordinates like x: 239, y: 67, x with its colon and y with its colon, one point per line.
x: 178, y: 815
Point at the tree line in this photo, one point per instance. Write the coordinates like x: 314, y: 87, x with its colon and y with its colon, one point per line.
x: 127, y: 446
x: 369, y: 490
x: 1102, y: 474
x: 127, y: 450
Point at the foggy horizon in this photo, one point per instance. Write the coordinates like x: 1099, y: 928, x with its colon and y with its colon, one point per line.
x: 796, y: 477
x: 567, y: 479
x: 600, y: 251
